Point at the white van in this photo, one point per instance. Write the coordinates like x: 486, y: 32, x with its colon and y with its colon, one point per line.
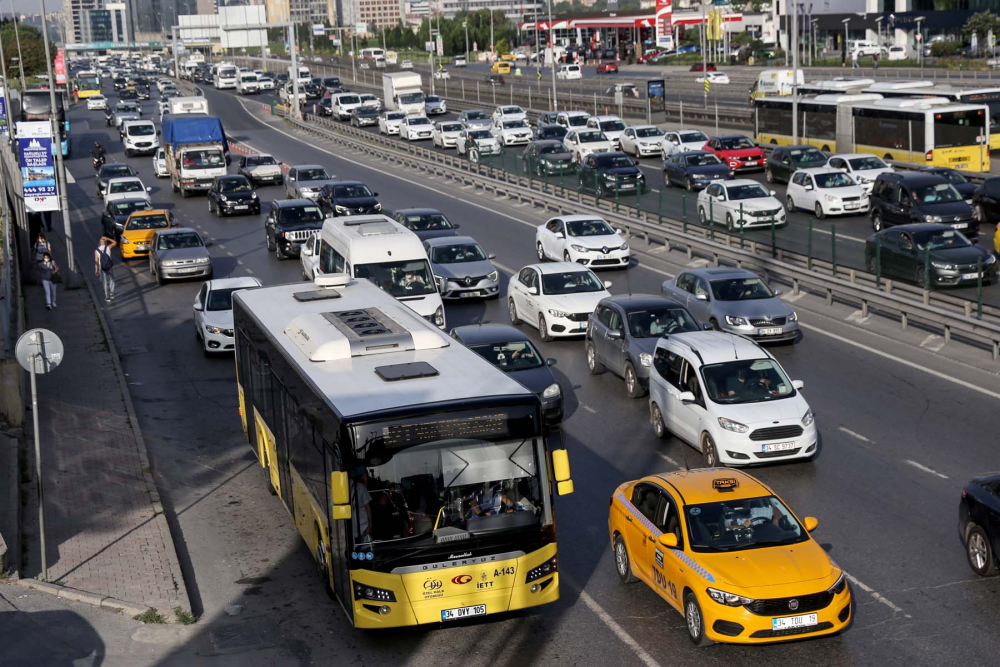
x: 775, y: 82
x: 139, y: 137
x: 899, y: 52
x: 383, y: 251
x: 248, y: 84
x: 864, y: 48
x: 304, y: 75
x: 569, y: 72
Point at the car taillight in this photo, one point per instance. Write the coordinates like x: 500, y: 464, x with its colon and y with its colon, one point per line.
x: 929, y: 155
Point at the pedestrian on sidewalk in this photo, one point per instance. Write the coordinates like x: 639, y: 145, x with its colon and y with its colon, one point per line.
x: 854, y: 60
x: 49, y: 273
x: 42, y: 246
x: 104, y: 266
x: 875, y: 63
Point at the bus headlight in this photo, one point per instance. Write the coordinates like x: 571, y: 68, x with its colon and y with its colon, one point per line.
x: 363, y: 592
x: 543, y: 570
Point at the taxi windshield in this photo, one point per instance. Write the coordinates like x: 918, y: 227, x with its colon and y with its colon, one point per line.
x: 744, y: 523
x: 152, y: 221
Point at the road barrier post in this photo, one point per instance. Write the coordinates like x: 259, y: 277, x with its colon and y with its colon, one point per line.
x: 743, y: 228
x: 809, y: 256
x: 711, y: 218
x: 478, y: 98
x: 878, y: 262
x: 684, y: 211
x: 529, y: 97
x: 774, y: 244
x: 527, y: 169
x: 617, y: 196
x: 682, y: 113
x: 979, y: 289
x: 927, y: 271
x: 659, y: 207
x: 494, y: 94
x: 833, y: 249
x: 463, y: 88
x: 638, y: 197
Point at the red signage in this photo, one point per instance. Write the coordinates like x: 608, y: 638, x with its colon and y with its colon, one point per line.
x: 664, y: 24
x: 60, y: 68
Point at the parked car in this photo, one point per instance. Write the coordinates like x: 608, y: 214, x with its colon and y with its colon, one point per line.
x: 348, y: 198
x: 260, y: 169
x: 426, y: 223
x: 558, y: 299
x: 582, y: 239
x: 512, y: 352
x: 289, y: 224
x: 979, y: 523
x: 231, y: 195
x: 622, y: 335
x: 905, y: 198
x: 738, y: 151
x: 907, y: 251
x: 462, y: 268
x: 305, y: 181
x: 584, y: 142
x: 547, y: 158
x: 389, y: 122
x: 681, y: 141
x: 740, y: 203
x: 610, y: 174
x: 115, y: 213
x: 694, y: 170
x: 178, y: 253
x: 862, y: 167
x: 785, y: 160
x: 607, y: 68
x: 734, y: 300
x: 642, y: 140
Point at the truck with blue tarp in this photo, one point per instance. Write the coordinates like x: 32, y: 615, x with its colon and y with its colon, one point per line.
x: 196, y: 150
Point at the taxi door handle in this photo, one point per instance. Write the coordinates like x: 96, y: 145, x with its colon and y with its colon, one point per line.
x: 650, y: 538
x: 629, y: 518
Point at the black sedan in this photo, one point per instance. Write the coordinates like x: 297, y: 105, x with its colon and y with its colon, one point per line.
x: 550, y: 131
x: 979, y: 523
x: 348, y: 198
x: 364, y: 115
x: 694, y: 170
x: 902, y: 252
x: 986, y: 200
x: 326, y: 106
x: 331, y: 82
x: 547, y: 158
x: 511, y: 351
x: 608, y: 173
x: 426, y: 223
x: 233, y: 194
x: 117, y: 212
x: 109, y: 171
x: 312, y: 91
x: 965, y: 187
x: 786, y: 160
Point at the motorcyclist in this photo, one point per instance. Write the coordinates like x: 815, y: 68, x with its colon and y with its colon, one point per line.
x: 98, y: 152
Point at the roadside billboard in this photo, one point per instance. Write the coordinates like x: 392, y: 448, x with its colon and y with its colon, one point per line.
x: 38, y: 173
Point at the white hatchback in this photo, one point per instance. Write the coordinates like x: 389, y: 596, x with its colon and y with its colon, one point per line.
x: 389, y: 121
x: 160, y: 163
x: 446, y: 133
x: 825, y: 191
x: 416, y: 128
x: 584, y: 142
x: 862, y: 167
x: 642, y: 140
x: 612, y: 127
x: 97, y: 102
x: 584, y: 239
x: 557, y: 299
x: 682, y: 141
x: 213, y: 312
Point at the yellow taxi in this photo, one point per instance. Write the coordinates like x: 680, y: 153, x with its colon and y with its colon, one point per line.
x: 137, y: 234
x: 726, y: 552
x: 500, y: 67
x: 509, y: 57
x: 996, y: 242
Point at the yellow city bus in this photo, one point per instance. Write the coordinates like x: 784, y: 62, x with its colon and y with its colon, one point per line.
x: 923, y: 130
x: 87, y: 84
x: 417, y: 473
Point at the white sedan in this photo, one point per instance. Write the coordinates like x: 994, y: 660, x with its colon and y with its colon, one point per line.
x: 825, y: 191
x: 97, y: 103
x: 369, y: 100
x: 160, y: 163
x: 557, y: 299
x: 389, y: 122
x: 511, y: 132
x: 584, y: 142
x: 415, y: 128
x: 126, y: 187
x: 642, y: 140
x: 862, y: 167
x: 476, y: 143
x: 213, y: 312
x: 446, y: 133
x: 509, y: 112
x: 714, y: 77
x: 682, y: 141
x: 739, y: 203
x: 442, y: 74
x: 583, y: 239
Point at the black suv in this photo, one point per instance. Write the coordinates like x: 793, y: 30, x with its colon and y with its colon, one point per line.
x: 289, y: 224
x: 348, y: 198
x: 905, y: 198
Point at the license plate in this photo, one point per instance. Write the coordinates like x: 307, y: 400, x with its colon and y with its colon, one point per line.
x: 960, y: 225
x: 779, y: 447
x: 191, y: 270
x: 628, y: 186
x: 142, y: 247
x: 604, y: 257
x: 241, y: 207
x: 789, y: 622
x: 852, y: 205
x: 466, y: 295
x: 969, y: 276
x: 769, y: 332
x: 476, y: 610
x: 582, y: 326
x: 751, y: 163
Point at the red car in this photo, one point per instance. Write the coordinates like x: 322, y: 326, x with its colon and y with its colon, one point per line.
x: 702, y: 67
x: 737, y: 151
x: 607, y: 68
x: 651, y: 56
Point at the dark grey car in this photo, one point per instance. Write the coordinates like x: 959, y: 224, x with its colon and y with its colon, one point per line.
x: 475, y: 118
x: 734, y: 300
x: 178, y: 253
x: 622, y: 334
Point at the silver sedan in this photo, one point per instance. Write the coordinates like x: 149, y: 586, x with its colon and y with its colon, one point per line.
x: 179, y: 253
x: 462, y: 269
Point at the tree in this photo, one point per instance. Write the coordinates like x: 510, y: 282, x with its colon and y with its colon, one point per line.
x: 32, y: 50
x: 980, y: 23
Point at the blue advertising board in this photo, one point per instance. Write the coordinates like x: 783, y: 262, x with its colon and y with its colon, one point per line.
x: 4, y: 130
x: 38, y: 173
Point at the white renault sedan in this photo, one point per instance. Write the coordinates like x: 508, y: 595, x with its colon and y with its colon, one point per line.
x: 213, y: 312
x: 642, y: 140
x: 584, y: 239
x: 509, y: 112
x: 739, y: 203
x: 446, y: 133
x: 389, y: 122
x: 682, y: 141
x: 511, y: 132
x: 825, y: 191
x: 97, y: 102
x: 582, y: 143
x: 557, y: 299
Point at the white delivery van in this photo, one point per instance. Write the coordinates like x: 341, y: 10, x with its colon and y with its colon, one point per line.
x: 188, y: 105
x: 304, y: 75
x: 139, y: 137
x: 248, y: 84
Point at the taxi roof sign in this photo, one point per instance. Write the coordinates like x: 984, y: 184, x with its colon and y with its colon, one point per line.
x: 725, y: 483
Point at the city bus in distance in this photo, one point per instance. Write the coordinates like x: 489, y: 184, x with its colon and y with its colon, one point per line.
x: 929, y: 131
x: 225, y: 76
x: 372, y: 54
x: 88, y: 84
x: 417, y: 473
x: 36, y: 106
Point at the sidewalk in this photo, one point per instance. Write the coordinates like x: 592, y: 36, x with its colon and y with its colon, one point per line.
x: 105, y: 529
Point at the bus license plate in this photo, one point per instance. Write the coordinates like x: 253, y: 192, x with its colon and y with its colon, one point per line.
x: 459, y: 613
x: 769, y: 332
x: 779, y: 447
x: 790, y: 622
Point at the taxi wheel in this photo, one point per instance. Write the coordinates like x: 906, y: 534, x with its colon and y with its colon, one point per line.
x: 543, y: 329
x: 695, y: 621
x: 622, y: 563
x: 979, y: 553
x: 708, y: 452
x: 512, y: 311
x: 593, y: 365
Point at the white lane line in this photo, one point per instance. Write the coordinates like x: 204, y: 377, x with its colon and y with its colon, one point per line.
x: 69, y: 177
x: 250, y: 271
x: 619, y: 631
x: 588, y: 408
x: 875, y: 594
x: 924, y: 468
x: 933, y: 343
x: 668, y: 459
x: 853, y: 434
x: 905, y: 362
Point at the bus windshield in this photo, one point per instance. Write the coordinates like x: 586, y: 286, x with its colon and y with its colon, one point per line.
x: 992, y: 101
x: 88, y: 82
x: 400, y: 279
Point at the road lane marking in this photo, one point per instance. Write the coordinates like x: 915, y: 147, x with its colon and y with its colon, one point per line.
x: 588, y: 408
x: 933, y: 342
x: 619, y: 631
x: 924, y: 468
x: 875, y: 594
x: 905, y: 362
x: 853, y: 434
x: 858, y: 317
x: 668, y: 459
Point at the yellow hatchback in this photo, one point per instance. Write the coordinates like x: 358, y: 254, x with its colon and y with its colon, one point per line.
x: 726, y: 552
x: 138, y: 231
x: 500, y: 67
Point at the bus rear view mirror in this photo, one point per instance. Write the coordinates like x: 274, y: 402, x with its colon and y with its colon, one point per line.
x: 340, y: 492
x: 560, y: 468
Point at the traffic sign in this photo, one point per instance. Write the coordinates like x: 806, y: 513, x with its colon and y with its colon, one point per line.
x: 440, y: 46
x: 707, y: 85
x: 40, y: 348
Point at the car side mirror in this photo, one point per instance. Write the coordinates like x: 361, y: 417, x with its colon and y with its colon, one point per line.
x: 797, y: 385
x: 701, y: 297
x: 550, y: 362
x: 533, y: 291
x: 492, y: 255
x: 808, y: 187
x: 615, y: 334
x: 686, y: 397
x: 208, y: 244
x: 197, y: 306
x: 560, y: 235
x: 779, y: 292
x: 440, y: 283
x: 455, y: 226
x: 668, y: 540
x: 149, y: 188
x: 607, y: 284
x: 811, y: 523
x: 707, y: 326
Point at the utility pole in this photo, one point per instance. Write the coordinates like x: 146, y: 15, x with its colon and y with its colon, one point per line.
x: 552, y: 55
x: 492, y: 44
x: 20, y: 58
x: 795, y: 72
x: 704, y: 47
x: 465, y: 24
x: 920, y: 49
x: 177, y: 67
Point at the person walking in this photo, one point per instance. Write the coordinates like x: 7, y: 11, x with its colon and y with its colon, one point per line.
x: 42, y: 246
x: 48, y: 271
x: 104, y: 267
x: 875, y: 63
x: 854, y: 59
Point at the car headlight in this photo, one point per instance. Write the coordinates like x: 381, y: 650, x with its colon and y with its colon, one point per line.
x: 734, y: 426
x: 213, y: 330
x: 624, y: 246
x: 609, y: 177
x: 439, y: 316
x: 306, y: 191
x: 223, y: 197
x: 578, y: 248
x: 253, y: 195
x: 124, y: 240
x: 552, y: 391
x: 697, y: 176
x: 932, y: 218
x: 808, y: 418
x: 841, y: 584
x: 340, y: 209
x: 736, y: 321
x: 558, y: 313
x: 646, y: 359
x: 728, y: 599
x: 378, y: 207
x: 794, y: 317
x: 493, y: 277
x: 831, y: 198
x: 943, y: 265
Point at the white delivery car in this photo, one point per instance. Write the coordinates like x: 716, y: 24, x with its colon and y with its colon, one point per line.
x: 139, y: 137
x: 342, y: 104
x: 569, y: 72
x: 248, y: 84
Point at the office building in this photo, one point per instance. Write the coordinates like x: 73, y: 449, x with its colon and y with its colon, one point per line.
x: 110, y: 24
x: 302, y: 11
x: 512, y: 9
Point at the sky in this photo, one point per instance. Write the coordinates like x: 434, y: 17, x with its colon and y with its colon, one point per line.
x: 31, y: 6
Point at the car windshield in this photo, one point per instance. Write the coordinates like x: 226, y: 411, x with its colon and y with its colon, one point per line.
x: 741, y: 289
x: 179, y: 241
x: 511, y: 356
x: 660, y: 321
x: 127, y: 186
x: 300, y: 215
x: 589, y: 228
x: 348, y: 99
x: 432, y: 99
x: 475, y: 115
x: 221, y: 299
x: 261, y: 161
x: 248, y: 77
x: 451, y: 127
x: 735, y: 143
x: 834, y: 180
x: 952, y: 176
x: 235, y: 185
x: 806, y: 155
x: 867, y: 162
x: 591, y: 137
x: 746, y: 523
x: 577, y: 121
x: 203, y: 159
x: 151, y: 221
x: 702, y: 160
x: 693, y: 137
x: 506, y: 111
x: 613, y: 126
x: 331, y: 81
x: 611, y: 161
x: 125, y: 107
x: 419, y: 120
x: 479, y: 134
x: 421, y: 222
x: 941, y: 238
x: 746, y: 381
x: 458, y: 254
x: 749, y: 191
x: 113, y: 170
x: 646, y: 132
x: 351, y: 191
x: 400, y: 279
x: 127, y: 207
x: 551, y: 149
x: 312, y: 175
x: 940, y: 193
x: 142, y: 130
x: 508, y: 124
x: 571, y: 282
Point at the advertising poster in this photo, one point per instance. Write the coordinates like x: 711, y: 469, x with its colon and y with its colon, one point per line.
x: 60, y: 68
x: 38, y: 173
x: 664, y: 24
x: 4, y: 130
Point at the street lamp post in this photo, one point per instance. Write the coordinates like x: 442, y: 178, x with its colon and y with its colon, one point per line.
x: 704, y: 48
x: 795, y: 73
x: 465, y: 24
x: 846, y: 40
x: 815, y: 54
x: 552, y: 56
x: 878, y: 30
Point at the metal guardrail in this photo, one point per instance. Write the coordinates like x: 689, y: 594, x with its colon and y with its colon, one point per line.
x: 835, y: 283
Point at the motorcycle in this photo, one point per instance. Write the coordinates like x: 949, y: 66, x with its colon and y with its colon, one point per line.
x: 98, y: 162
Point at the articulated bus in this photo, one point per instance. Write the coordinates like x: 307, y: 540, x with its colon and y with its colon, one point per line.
x: 926, y: 131
x: 417, y: 473
x: 36, y: 105
x: 88, y: 84
x: 835, y: 87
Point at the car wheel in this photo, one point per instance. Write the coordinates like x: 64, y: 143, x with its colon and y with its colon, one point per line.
x: 540, y: 252
x: 701, y: 216
x: 512, y: 312
x: 709, y: 453
x: 633, y: 387
x: 271, y: 244
x: 278, y: 253
x: 659, y: 426
x: 877, y: 221
x: 153, y: 272
x: 593, y: 365
x: 870, y: 262
x: 980, y: 214
x: 689, y: 184
x: 694, y: 621
x: 979, y: 551
x: 128, y: 153
x: 566, y: 256
x: 729, y: 222
x: 543, y: 329
x: 789, y: 204
x: 622, y: 563
x: 768, y: 176
x: 920, y: 277
x: 820, y: 213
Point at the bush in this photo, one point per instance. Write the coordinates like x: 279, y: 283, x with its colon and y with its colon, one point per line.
x: 940, y: 49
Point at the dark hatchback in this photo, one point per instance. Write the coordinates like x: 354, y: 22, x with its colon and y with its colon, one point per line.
x: 965, y: 187
x: 364, y: 115
x: 426, y: 223
x: 109, y: 171
x: 545, y: 158
x: 550, y: 131
x: 348, y: 198
x: 289, y: 224
x: 986, y: 201
x: 312, y: 91
x: 907, y: 251
x: 979, y: 523
x: 117, y: 212
x: 511, y: 351
x: 609, y: 173
x: 326, y: 106
x: 786, y: 160
x: 694, y: 170
x: 331, y: 82
x: 903, y: 199
x: 231, y: 195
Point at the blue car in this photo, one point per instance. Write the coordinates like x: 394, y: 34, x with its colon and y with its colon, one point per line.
x: 690, y: 48
x: 694, y: 170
